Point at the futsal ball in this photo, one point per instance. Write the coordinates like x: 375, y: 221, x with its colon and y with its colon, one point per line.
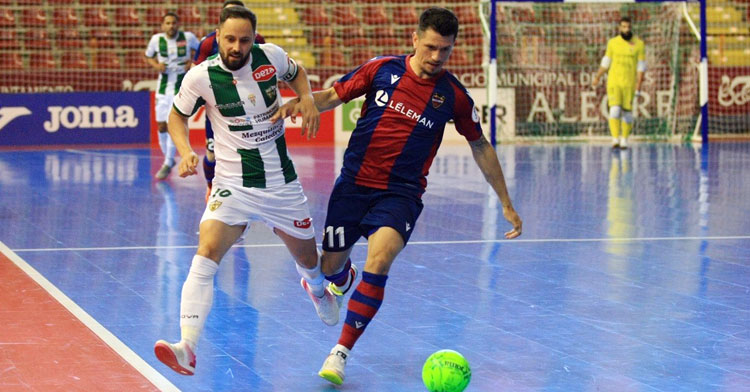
x: 446, y: 371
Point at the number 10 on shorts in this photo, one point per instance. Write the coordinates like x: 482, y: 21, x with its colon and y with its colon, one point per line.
x: 338, y: 232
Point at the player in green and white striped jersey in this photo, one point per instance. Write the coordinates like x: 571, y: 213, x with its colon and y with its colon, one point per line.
x: 170, y: 53
x: 255, y: 177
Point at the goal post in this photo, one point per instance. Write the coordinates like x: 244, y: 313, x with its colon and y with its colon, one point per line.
x: 542, y: 56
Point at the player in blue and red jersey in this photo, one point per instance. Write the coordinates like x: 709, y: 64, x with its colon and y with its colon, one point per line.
x: 409, y: 99
x: 207, y: 48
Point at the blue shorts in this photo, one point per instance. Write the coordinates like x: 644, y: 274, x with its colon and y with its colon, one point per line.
x: 355, y: 211
x: 209, y: 136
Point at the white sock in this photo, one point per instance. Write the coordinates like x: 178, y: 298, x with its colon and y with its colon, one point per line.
x: 171, y: 152
x: 197, y: 298
x: 314, y: 278
x: 163, y: 140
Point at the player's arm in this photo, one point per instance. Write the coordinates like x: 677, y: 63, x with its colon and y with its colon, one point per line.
x: 324, y: 100
x: 640, y: 68
x: 155, y: 64
x: 177, y: 125
x: 486, y: 158
x: 303, y: 104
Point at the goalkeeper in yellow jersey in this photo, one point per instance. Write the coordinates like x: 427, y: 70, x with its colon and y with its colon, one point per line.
x: 626, y: 61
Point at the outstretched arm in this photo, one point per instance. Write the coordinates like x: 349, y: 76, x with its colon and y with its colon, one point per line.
x: 324, y: 100
x: 303, y: 104
x: 177, y: 125
x: 486, y: 158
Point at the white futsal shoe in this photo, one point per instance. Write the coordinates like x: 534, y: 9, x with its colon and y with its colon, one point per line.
x: 177, y: 356
x: 333, y: 367
x: 326, y: 306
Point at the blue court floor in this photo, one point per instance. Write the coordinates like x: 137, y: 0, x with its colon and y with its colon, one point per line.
x: 632, y: 273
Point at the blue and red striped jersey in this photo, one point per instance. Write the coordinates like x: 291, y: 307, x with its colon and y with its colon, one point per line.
x: 402, y: 122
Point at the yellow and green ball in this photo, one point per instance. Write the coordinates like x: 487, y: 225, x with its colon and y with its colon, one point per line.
x: 446, y: 371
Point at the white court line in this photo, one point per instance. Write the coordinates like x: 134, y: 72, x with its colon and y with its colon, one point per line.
x: 110, y: 339
x: 504, y: 241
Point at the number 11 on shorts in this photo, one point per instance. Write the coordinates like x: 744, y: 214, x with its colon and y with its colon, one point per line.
x: 339, y: 231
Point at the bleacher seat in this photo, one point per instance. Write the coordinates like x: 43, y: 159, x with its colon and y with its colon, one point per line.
x: 64, y: 16
x: 69, y: 39
x: 12, y: 60
x: 8, y: 39
x: 37, y: 39
x: 154, y: 17
x: 7, y: 18
x: 315, y: 16
x: 127, y: 16
x: 102, y: 38
x: 361, y: 56
x: 459, y: 58
x: 405, y: 15
x: 133, y: 38
x: 34, y: 17
x: 332, y: 57
x: 96, y: 16
x: 212, y: 16
x: 471, y: 35
x: 42, y: 60
x: 189, y: 15
x: 135, y: 59
x: 375, y: 15
x: 466, y: 14
x: 74, y: 60
x: 344, y: 15
x: 107, y: 60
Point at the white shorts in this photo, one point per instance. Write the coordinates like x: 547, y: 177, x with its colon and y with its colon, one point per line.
x: 283, y: 207
x: 163, y: 106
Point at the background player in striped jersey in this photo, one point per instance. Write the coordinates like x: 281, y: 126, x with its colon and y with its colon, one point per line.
x: 255, y: 178
x: 626, y: 61
x: 209, y: 47
x: 409, y: 99
x: 169, y: 53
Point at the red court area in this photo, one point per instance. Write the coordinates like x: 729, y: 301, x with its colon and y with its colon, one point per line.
x: 44, y: 347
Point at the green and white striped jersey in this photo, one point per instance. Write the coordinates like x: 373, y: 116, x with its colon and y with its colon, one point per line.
x: 250, y: 150
x: 175, y: 53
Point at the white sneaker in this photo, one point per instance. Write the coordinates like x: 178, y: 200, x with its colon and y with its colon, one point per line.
x: 326, y: 306
x: 336, y: 290
x: 163, y: 172
x: 615, y: 143
x: 623, y: 143
x: 179, y: 357
x: 333, y: 367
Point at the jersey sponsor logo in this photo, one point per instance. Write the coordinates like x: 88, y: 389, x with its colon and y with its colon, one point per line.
x: 71, y: 117
x: 394, y: 78
x: 10, y: 113
x: 475, y: 114
x: 437, y: 100
x: 231, y: 105
x: 303, y: 224
x: 264, y: 73
x: 412, y: 114
x: 381, y: 98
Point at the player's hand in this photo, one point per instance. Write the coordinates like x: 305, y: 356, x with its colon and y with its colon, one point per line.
x: 188, y: 163
x: 594, y: 83
x: 286, y: 110
x: 310, y: 116
x: 161, y: 67
x: 512, y: 217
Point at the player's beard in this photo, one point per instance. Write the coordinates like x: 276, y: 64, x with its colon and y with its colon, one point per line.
x: 627, y: 36
x: 232, y: 63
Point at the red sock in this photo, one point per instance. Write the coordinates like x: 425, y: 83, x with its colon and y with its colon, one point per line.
x: 363, y: 305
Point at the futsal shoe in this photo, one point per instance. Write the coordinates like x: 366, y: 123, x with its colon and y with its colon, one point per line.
x: 336, y: 290
x: 163, y: 172
x: 326, y: 306
x: 623, y: 143
x: 178, y: 356
x: 615, y: 143
x: 333, y: 367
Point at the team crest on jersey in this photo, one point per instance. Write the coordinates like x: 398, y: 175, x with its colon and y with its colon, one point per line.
x: 437, y: 100
x: 264, y: 73
x: 251, y: 97
x: 214, y: 205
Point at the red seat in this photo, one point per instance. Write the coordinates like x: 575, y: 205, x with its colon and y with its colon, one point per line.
x: 471, y: 35
x: 154, y: 17
x: 8, y: 39
x: 7, y: 18
x: 42, y: 60
x: 466, y: 14
x: 344, y: 15
x: 69, y: 38
x: 37, y: 39
x: 361, y: 56
x: 11, y: 60
x: 189, y: 15
x: 356, y: 37
x: 315, y: 16
x: 127, y: 16
x: 74, y: 60
x: 324, y: 37
x: 102, y: 38
x: 133, y: 38
x: 34, y: 17
x: 107, y: 60
x: 405, y: 15
x: 96, y: 17
x: 375, y: 15
x: 213, y: 14
x: 332, y: 58
x: 459, y: 58
x: 135, y: 59
x: 65, y: 17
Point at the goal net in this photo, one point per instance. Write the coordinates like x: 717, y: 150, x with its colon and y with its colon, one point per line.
x: 548, y: 53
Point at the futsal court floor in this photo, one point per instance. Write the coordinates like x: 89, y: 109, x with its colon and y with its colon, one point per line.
x: 632, y: 274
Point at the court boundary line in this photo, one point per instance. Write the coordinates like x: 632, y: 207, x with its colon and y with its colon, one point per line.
x: 501, y: 241
x: 125, y: 352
